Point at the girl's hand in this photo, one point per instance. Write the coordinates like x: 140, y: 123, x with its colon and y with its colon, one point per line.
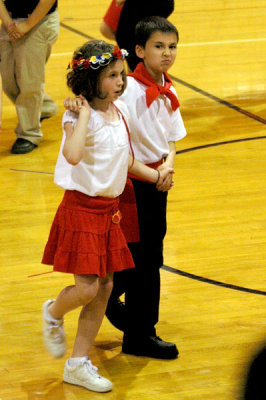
x: 76, y: 104
x: 166, y: 179
x: 119, y: 2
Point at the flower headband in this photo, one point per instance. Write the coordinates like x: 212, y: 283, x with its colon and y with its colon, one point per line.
x: 96, y: 62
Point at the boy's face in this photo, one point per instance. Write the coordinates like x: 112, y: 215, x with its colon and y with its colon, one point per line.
x: 159, y: 52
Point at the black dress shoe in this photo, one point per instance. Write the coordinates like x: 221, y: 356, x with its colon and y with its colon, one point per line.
x: 152, y: 346
x: 116, y: 313
x: 22, y: 146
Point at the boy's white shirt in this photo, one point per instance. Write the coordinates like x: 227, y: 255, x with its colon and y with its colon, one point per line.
x: 151, y: 129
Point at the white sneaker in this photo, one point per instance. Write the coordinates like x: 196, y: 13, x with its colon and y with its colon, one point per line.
x: 53, y: 332
x: 85, y: 374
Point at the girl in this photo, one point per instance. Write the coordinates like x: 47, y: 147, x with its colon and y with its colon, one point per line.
x: 86, y: 239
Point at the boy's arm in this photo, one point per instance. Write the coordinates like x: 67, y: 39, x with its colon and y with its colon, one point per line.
x: 17, y: 30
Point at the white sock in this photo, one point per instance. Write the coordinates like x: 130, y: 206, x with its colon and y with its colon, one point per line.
x: 72, y: 362
x: 49, y: 318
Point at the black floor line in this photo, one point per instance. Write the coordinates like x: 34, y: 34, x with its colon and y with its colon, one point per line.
x: 219, y: 100
x: 31, y: 171
x: 205, y: 146
x: 212, y: 282
x: 76, y: 31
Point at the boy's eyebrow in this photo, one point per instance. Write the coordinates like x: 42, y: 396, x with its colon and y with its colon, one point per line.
x: 159, y: 42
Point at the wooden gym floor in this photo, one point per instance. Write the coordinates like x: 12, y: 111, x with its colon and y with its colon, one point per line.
x: 213, y: 282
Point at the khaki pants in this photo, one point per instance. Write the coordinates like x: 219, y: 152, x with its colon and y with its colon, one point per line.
x: 22, y: 68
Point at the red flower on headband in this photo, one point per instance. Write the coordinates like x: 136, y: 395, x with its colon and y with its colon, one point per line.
x: 81, y: 63
x: 117, y: 53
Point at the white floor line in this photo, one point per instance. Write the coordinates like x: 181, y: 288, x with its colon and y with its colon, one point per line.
x: 189, y: 45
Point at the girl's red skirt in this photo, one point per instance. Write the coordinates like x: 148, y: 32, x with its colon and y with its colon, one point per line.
x: 86, y: 237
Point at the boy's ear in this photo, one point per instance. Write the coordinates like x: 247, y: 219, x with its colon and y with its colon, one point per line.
x: 140, y: 52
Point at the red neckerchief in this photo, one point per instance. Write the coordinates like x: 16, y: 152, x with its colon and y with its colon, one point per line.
x: 154, y: 90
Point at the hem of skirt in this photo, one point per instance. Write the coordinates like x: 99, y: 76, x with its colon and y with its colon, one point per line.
x: 97, y: 273
x: 90, y: 272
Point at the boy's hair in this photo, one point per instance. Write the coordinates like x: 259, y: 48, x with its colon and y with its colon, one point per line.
x: 147, y: 26
x: 86, y: 81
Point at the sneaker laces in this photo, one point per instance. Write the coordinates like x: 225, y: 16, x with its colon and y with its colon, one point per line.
x: 53, y: 329
x: 92, y: 369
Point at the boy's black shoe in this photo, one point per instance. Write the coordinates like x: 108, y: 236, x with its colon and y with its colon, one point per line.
x: 22, y: 146
x: 116, y: 313
x: 152, y: 346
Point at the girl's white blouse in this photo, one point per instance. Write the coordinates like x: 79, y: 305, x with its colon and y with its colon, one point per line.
x: 103, y: 168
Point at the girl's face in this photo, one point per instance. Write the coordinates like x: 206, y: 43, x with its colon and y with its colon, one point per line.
x: 159, y: 52
x: 111, y: 81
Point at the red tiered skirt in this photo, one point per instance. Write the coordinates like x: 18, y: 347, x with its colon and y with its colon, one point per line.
x: 86, y: 237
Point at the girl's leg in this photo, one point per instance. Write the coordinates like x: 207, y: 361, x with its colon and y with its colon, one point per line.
x: 91, y: 316
x: 68, y: 299
x: 79, y: 369
x: 72, y: 297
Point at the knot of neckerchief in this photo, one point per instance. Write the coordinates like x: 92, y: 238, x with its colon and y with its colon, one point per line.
x: 154, y: 90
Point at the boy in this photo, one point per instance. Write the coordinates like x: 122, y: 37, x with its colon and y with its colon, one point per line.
x: 155, y: 125
x: 133, y: 12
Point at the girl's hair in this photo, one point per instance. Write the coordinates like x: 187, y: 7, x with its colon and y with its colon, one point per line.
x: 85, y: 81
x: 147, y: 26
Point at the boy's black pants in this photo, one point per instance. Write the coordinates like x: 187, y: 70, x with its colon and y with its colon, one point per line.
x: 142, y: 284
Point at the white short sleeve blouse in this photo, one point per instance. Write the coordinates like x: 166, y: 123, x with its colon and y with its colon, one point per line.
x: 103, y: 168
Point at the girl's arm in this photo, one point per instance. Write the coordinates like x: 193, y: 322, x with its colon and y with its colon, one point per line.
x: 147, y: 173
x: 168, y: 182
x: 170, y: 159
x: 75, y: 137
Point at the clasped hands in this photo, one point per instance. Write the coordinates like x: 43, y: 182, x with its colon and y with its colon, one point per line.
x: 17, y: 29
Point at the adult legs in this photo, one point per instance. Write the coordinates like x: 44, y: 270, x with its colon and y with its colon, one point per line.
x: 23, y: 73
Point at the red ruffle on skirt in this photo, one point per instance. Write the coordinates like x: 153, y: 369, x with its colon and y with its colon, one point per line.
x: 85, y: 237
